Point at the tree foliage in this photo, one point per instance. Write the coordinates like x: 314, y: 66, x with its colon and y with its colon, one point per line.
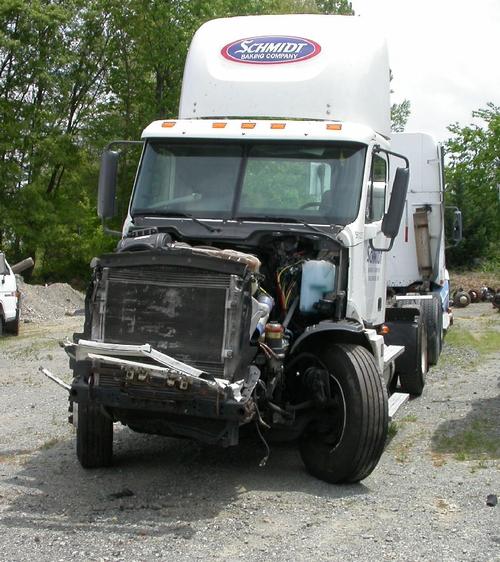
x: 74, y: 75
x: 473, y: 185
x: 400, y: 112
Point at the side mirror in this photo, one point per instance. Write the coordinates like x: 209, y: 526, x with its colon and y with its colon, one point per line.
x: 392, y: 219
x: 107, y: 184
x: 457, y: 227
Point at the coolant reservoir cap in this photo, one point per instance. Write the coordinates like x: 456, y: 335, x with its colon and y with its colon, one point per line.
x: 274, y: 328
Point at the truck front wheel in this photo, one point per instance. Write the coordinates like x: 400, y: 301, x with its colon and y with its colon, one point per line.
x: 344, y: 442
x: 94, y: 437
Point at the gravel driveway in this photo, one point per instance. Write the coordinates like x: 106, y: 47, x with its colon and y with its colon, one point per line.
x: 167, y: 499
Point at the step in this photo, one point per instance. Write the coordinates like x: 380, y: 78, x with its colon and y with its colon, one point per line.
x: 396, y: 400
x: 392, y: 352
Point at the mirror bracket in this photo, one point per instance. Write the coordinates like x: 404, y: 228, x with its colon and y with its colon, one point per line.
x: 401, y: 184
x: 457, y: 226
x: 388, y: 249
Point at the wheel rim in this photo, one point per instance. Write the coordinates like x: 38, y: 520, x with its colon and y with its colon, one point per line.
x: 423, y: 352
x: 342, y: 422
x: 330, y: 426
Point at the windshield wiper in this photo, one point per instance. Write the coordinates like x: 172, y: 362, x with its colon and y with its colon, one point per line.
x: 174, y: 214
x: 291, y: 220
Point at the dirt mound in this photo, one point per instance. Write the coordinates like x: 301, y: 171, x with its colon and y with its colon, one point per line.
x: 474, y: 280
x: 48, y: 302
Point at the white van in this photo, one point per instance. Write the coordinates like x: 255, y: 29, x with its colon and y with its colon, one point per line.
x: 9, y: 299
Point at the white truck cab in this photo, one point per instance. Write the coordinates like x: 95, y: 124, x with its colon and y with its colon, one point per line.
x: 249, y: 284
x: 9, y: 298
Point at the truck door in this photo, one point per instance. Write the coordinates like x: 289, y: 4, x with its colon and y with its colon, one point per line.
x: 374, y: 270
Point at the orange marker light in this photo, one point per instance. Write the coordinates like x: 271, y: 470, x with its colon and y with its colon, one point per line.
x: 248, y: 125
x: 384, y: 330
x: 218, y: 125
x: 278, y: 125
x: 168, y: 124
x: 334, y: 126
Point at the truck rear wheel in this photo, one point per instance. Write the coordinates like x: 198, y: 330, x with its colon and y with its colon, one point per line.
x: 345, y: 441
x: 94, y: 437
x: 432, y: 315
x: 414, y: 369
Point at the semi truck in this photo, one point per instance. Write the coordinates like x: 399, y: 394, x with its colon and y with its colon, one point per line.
x: 249, y: 285
x: 417, y: 278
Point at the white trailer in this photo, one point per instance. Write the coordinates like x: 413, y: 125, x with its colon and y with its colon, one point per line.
x: 249, y: 285
x: 417, y: 277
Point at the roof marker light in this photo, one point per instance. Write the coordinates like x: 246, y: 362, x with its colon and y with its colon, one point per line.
x: 278, y: 125
x: 218, y: 125
x: 248, y: 125
x: 168, y: 124
x: 334, y: 126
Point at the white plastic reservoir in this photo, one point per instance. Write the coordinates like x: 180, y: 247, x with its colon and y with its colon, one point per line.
x: 318, y: 278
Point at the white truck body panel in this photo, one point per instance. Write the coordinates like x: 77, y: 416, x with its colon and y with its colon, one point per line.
x: 292, y: 66
x: 425, y: 189
x: 8, y: 294
x: 366, y: 296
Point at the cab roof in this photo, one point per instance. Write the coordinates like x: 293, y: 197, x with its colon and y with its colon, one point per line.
x: 289, y: 66
x: 260, y: 129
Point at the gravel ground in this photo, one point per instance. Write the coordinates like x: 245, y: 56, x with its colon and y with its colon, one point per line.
x: 168, y: 499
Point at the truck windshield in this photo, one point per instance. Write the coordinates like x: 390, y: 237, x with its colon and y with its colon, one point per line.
x: 313, y: 181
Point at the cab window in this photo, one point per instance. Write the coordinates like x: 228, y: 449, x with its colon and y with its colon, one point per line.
x: 375, y: 208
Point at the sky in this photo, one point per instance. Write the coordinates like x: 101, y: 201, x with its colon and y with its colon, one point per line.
x: 444, y: 55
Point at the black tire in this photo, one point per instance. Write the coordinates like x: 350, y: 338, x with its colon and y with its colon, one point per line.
x: 346, y: 444
x: 12, y: 327
x: 94, y: 437
x: 461, y: 299
x: 412, y: 367
x: 432, y: 314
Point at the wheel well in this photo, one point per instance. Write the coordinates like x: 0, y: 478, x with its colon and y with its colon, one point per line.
x: 332, y: 337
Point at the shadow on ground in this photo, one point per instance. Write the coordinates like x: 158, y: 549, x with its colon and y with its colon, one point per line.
x: 476, y: 436
x: 163, y: 485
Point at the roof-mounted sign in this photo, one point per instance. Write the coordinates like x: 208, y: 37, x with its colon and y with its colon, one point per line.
x: 271, y: 49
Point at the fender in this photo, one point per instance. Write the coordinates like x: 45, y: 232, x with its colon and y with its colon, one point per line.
x: 348, y: 331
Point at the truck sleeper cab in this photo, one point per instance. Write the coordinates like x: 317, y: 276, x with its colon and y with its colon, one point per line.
x: 249, y: 283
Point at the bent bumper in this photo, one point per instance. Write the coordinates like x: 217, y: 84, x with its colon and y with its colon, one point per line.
x: 145, y: 389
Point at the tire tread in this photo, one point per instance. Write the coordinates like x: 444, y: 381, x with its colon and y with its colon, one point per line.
x: 372, y: 425
x: 94, y: 437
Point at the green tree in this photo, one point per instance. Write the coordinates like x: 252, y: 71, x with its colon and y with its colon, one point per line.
x: 52, y: 90
x: 341, y: 7
x: 75, y: 75
x: 473, y: 185
x: 400, y: 112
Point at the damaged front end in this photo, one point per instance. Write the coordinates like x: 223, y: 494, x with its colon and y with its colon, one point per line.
x: 168, y: 342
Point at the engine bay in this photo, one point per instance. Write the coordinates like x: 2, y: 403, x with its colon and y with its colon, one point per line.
x: 296, y: 280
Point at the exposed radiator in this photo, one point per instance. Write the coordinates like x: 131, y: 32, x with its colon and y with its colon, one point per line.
x: 195, y: 315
